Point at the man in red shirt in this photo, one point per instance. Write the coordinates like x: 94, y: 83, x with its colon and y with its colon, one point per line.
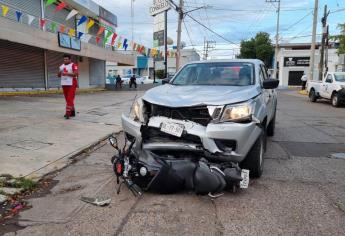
x: 68, y: 72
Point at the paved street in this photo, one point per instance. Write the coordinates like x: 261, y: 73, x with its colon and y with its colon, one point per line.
x: 300, y: 193
x: 35, y: 138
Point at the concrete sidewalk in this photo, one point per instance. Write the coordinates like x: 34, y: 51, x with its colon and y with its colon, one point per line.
x: 35, y: 139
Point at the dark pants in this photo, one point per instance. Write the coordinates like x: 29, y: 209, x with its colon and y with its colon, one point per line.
x: 131, y: 83
x: 303, y: 84
x: 118, y: 84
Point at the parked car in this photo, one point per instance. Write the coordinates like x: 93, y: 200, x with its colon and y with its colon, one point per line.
x: 140, y: 79
x: 332, y: 87
x: 220, y: 110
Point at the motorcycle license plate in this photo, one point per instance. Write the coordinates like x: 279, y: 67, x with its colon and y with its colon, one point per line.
x: 245, y: 178
x: 172, y: 129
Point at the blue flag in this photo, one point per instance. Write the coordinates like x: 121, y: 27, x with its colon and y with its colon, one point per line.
x: 80, y: 34
x: 18, y: 14
x: 125, y: 45
x: 82, y: 20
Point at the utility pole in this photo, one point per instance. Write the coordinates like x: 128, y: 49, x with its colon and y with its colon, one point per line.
x: 207, y: 46
x: 179, y: 30
x: 313, y: 40
x: 275, y: 66
x: 323, y: 42
x: 166, y: 43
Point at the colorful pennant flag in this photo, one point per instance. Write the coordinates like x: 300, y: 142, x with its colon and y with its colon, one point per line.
x: 125, y: 45
x: 53, y: 27
x: 90, y: 24
x: 71, y: 32
x: 119, y: 42
x: 113, y: 39
x: 5, y: 10
x: 71, y: 14
x: 30, y: 19
x: 62, y: 29
x: 18, y: 15
x: 80, y: 34
x: 98, y: 39
x: 100, y: 31
x: 82, y: 20
x: 61, y: 6
x: 42, y: 22
x: 86, y: 38
x: 134, y: 46
x: 50, y: 2
x: 106, y: 38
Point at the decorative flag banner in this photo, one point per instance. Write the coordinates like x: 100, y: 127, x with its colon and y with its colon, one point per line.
x: 82, y: 20
x: 80, y: 34
x: 30, y: 19
x: 125, y: 45
x: 62, y: 28
x: 50, y: 2
x: 134, y: 46
x: 18, y: 14
x: 98, y: 39
x: 149, y: 52
x: 71, y: 32
x: 53, y: 27
x: 42, y: 22
x: 106, y: 38
x: 113, y: 39
x: 86, y: 38
x: 61, y: 6
x: 100, y: 31
x: 5, y: 10
x: 119, y: 42
x: 71, y: 14
x: 90, y: 24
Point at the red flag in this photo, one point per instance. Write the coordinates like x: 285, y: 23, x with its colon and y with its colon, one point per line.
x: 113, y: 39
x: 62, y: 29
x: 61, y: 6
x: 98, y: 39
x: 42, y: 22
x: 101, y: 30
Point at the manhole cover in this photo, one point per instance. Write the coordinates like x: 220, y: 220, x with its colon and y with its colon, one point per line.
x: 338, y: 155
x: 97, y: 113
x: 30, y: 145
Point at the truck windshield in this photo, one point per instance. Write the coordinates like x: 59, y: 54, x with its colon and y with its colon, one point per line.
x: 216, y: 73
x: 340, y: 78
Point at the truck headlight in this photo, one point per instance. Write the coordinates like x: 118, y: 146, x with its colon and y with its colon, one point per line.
x: 238, y: 113
x: 137, y: 112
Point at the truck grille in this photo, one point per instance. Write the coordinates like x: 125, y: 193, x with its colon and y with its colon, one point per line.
x: 197, y: 114
x: 154, y: 134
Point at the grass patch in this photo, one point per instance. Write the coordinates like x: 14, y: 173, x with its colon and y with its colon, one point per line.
x: 26, y: 184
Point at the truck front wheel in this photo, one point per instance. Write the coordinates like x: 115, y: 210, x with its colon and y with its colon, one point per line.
x: 335, y: 100
x: 312, y: 95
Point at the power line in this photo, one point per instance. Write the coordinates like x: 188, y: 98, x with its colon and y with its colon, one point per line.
x: 300, y: 20
x: 190, y: 39
x: 220, y: 36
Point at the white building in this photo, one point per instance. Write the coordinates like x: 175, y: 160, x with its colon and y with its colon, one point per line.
x: 293, y: 62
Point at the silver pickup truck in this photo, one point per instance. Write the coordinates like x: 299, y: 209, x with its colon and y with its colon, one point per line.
x: 219, y: 111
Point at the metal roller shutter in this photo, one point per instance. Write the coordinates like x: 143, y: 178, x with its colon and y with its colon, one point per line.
x: 21, y: 66
x: 32, y: 7
x: 97, y: 72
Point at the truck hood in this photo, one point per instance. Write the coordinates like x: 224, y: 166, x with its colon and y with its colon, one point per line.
x: 184, y: 96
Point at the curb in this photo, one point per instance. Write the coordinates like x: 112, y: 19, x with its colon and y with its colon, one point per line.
x: 45, y: 92
x: 64, y: 161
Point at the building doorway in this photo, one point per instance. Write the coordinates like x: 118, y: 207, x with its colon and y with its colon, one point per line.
x: 295, y: 77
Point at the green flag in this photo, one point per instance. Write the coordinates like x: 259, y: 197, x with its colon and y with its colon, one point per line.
x: 50, y: 2
x: 53, y: 26
x: 107, y: 37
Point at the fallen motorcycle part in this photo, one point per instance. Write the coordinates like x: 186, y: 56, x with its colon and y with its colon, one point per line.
x: 96, y: 201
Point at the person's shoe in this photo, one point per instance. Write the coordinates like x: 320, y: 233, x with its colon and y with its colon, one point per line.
x: 66, y: 116
x: 73, y: 114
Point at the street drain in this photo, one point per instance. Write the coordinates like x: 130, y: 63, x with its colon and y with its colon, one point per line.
x: 340, y: 155
x: 30, y: 145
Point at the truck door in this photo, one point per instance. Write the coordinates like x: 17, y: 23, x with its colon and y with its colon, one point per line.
x: 267, y: 93
x: 326, y: 87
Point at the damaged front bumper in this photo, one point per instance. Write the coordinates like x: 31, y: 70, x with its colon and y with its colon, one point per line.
x: 219, y: 142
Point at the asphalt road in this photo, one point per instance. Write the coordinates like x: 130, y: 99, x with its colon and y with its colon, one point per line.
x: 302, y: 190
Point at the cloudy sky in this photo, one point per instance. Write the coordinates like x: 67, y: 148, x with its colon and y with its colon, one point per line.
x: 235, y: 20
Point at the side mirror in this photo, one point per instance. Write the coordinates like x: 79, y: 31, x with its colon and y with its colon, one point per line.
x: 165, y: 81
x: 270, y: 83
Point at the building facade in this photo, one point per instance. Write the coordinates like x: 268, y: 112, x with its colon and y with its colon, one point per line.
x: 31, y: 52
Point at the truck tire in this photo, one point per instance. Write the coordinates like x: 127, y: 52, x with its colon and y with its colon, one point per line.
x: 255, y: 159
x: 312, y: 95
x: 271, y: 126
x: 335, y: 100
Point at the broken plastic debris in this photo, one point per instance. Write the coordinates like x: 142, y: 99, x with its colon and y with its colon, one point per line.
x: 96, y: 201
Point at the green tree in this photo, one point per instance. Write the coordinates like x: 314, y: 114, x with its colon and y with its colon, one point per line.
x: 259, y: 47
x: 340, y: 38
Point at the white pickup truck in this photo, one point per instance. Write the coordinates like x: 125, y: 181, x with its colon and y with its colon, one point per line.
x: 332, y: 87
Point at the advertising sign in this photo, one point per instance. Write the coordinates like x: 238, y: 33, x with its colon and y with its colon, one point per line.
x: 159, y: 6
x: 296, y: 61
x: 158, y: 39
x: 107, y: 16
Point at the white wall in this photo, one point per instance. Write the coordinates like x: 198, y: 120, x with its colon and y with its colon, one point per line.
x: 84, y: 73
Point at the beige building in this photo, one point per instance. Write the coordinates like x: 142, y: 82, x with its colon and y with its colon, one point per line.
x: 30, y: 54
